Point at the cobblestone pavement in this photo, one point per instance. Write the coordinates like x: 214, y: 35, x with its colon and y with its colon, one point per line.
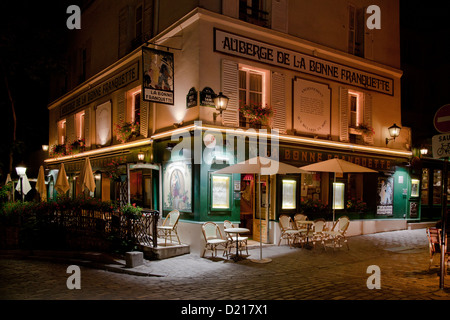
x: 293, y: 274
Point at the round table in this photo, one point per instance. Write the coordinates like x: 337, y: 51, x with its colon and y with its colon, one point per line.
x: 237, y: 231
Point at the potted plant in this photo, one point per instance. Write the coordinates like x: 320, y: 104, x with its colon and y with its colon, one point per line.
x: 77, y: 146
x: 126, y: 131
x: 131, y: 211
x: 58, y: 150
x: 256, y: 113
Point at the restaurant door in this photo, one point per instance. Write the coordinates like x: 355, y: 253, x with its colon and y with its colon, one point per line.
x: 247, y: 201
x: 261, y: 217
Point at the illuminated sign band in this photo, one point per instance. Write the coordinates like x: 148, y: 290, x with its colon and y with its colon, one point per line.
x: 236, y: 45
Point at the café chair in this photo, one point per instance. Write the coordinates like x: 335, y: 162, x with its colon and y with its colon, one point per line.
x: 337, y: 233
x: 169, y: 226
x: 213, y: 237
x: 288, y: 231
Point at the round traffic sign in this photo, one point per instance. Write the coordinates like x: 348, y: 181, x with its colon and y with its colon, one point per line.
x: 442, y: 119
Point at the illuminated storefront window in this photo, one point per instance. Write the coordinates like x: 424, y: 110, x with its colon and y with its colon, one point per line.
x: 220, y: 192
x: 289, y: 194
x: 338, y: 195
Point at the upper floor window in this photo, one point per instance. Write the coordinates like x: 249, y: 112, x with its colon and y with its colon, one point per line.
x: 252, y: 89
x: 356, y: 29
x: 62, y: 131
x: 136, y: 108
x: 254, y: 11
x: 138, y: 22
x: 79, y: 125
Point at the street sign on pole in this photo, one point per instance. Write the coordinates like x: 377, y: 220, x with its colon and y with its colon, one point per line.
x: 442, y: 119
x: 441, y: 146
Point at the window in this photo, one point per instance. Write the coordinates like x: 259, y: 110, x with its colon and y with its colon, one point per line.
x: 220, y: 192
x: 138, y: 23
x: 62, y: 132
x: 136, y: 112
x: 356, y: 29
x: 79, y: 125
x: 356, y: 108
x: 252, y: 89
x: 289, y: 194
x: 254, y: 11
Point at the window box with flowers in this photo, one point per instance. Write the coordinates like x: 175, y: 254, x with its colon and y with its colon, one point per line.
x: 59, y: 150
x: 256, y: 114
x: 126, y: 131
x: 77, y: 146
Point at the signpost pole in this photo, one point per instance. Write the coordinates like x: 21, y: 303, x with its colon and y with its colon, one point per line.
x: 444, y: 223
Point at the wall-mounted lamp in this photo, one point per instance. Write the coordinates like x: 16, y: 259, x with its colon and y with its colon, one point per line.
x: 45, y: 147
x: 423, y: 151
x: 221, y: 103
x: 394, y: 132
x: 141, y: 156
x: 97, y: 176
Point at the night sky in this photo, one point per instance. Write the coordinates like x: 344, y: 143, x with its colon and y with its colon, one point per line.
x: 32, y: 37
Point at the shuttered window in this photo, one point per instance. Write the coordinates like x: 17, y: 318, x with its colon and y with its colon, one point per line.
x: 230, y: 83
x: 278, y: 95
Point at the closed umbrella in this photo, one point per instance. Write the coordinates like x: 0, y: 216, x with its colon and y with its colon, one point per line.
x: 261, y: 166
x: 86, y: 178
x: 62, y: 184
x: 40, y: 184
x: 336, y: 166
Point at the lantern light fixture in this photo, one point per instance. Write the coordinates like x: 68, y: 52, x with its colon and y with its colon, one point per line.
x: 394, y: 132
x: 141, y: 156
x: 221, y: 102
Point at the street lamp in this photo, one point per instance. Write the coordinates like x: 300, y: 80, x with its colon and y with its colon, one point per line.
x: 141, y: 156
x: 45, y: 147
x: 20, y: 170
x: 394, y: 132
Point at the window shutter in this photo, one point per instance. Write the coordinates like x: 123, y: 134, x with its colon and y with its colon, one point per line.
x: 279, y: 15
x: 279, y: 101
x: 343, y: 115
x: 87, y: 123
x: 231, y: 8
x: 148, y: 20
x: 124, y: 31
x: 230, y: 88
x: 368, y: 115
x: 368, y: 38
x: 70, y: 128
x: 144, y: 117
x: 121, y: 108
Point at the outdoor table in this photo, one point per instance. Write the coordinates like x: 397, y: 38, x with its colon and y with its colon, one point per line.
x: 237, y: 231
x: 309, y: 224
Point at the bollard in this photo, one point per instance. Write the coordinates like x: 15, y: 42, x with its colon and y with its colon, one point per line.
x: 134, y: 259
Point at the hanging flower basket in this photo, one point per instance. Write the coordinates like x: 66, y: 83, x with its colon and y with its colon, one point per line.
x: 256, y: 113
x: 126, y: 131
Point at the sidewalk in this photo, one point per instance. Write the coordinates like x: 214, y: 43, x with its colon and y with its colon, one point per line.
x: 293, y: 273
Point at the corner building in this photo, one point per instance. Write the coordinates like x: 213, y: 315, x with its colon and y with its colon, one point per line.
x: 332, y: 83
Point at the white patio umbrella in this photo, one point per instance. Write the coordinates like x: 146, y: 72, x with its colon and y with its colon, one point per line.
x: 261, y: 166
x: 40, y: 184
x: 62, y: 184
x: 336, y: 166
x: 86, y: 178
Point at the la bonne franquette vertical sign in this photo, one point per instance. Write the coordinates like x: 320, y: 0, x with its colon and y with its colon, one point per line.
x: 441, y: 142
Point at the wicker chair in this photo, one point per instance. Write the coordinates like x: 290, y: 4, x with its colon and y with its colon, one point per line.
x: 242, y: 241
x: 319, y: 234
x: 169, y: 226
x: 288, y: 231
x: 213, y: 237
x: 337, y: 233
